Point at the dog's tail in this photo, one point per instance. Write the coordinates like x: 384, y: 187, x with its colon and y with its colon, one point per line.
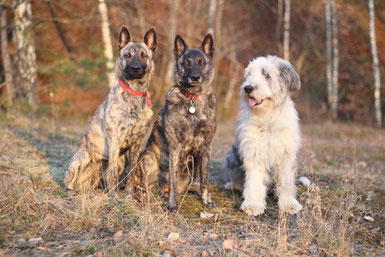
x: 234, y: 172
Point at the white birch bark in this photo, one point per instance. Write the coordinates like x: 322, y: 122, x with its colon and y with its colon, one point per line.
x: 107, y: 43
x: 25, y: 54
x: 286, y: 35
x: 334, y: 103
x: 329, y: 54
x: 278, y: 26
x: 376, y: 65
x: 7, y: 63
x: 171, y: 38
x: 211, y: 17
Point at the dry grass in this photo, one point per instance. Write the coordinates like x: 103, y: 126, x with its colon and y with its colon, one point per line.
x: 346, y: 163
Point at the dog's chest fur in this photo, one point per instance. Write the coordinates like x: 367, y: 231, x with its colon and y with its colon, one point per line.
x: 190, y: 129
x: 126, y: 114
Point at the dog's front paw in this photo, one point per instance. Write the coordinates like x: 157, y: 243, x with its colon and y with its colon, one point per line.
x: 289, y: 205
x: 252, y: 209
x: 172, y: 208
x: 210, y: 203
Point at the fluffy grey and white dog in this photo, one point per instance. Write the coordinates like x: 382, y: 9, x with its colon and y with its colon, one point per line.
x: 267, y: 136
x: 120, y: 123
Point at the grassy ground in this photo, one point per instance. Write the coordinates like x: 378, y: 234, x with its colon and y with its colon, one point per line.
x: 343, y: 209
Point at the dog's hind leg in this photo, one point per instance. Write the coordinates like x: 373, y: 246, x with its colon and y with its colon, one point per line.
x: 82, y: 174
x: 234, y: 172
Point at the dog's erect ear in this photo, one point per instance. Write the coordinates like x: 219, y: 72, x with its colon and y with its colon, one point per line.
x: 124, y: 37
x: 208, y: 45
x: 289, y: 76
x: 150, y: 39
x: 180, y: 47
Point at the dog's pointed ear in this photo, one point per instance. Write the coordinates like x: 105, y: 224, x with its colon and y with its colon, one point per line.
x: 208, y: 45
x: 124, y: 38
x: 180, y: 47
x: 289, y: 76
x: 150, y: 39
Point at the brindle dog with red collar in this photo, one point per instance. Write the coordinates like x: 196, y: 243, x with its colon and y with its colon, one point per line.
x: 179, y: 147
x: 120, y: 123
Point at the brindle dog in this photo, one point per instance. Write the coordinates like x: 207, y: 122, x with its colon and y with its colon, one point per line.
x: 185, y: 127
x: 121, y: 121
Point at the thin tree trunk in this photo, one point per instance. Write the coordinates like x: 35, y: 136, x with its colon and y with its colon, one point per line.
x: 211, y: 16
x: 234, y: 69
x: 7, y: 63
x: 334, y: 105
x: 376, y: 68
x: 139, y: 8
x: 286, y: 35
x: 329, y: 54
x: 218, y: 33
x: 25, y: 54
x: 60, y: 30
x: 278, y: 26
x: 106, y: 34
x: 218, y: 20
x: 171, y: 38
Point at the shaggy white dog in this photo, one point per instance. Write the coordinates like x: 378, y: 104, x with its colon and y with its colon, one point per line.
x: 267, y: 136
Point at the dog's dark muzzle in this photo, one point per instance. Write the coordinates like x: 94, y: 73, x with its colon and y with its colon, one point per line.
x: 135, y: 71
x: 195, y: 80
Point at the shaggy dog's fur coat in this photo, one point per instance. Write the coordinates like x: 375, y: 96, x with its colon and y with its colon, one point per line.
x: 267, y: 136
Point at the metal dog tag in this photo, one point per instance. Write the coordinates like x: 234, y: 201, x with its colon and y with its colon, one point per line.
x: 192, y: 107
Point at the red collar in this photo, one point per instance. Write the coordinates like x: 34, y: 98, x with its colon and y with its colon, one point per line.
x: 188, y: 95
x: 137, y: 93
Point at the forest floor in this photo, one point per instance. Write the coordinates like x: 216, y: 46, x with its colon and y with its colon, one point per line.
x: 343, y: 215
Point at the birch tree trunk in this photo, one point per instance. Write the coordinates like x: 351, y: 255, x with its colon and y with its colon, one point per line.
x: 334, y: 103
x: 106, y: 34
x: 329, y: 54
x: 171, y: 38
x: 376, y: 68
x: 278, y: 26
x: 25, y: 54
x: 211, y: 17
x: 139, y: 8
x: 7, y: 63
x: 286, y: 35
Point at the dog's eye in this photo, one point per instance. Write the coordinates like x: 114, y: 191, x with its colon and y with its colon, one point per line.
x: 143, y: 55
x: 187, y: 63
x: 201, y: 62
x: 128, y: 55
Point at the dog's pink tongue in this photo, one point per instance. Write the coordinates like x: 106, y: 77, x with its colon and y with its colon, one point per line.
x: 252, y: 101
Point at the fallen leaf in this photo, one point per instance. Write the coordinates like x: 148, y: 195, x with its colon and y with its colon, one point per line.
x: 369, y: 218
x: 206, y: 215
x: 204, y: 253
x: 173, y: 236
x: 168, y: 253
x: 35, y: 240
x: 374, y: 230
x: 213, y: 235
x: 118, y: 233
x: 228, y: 244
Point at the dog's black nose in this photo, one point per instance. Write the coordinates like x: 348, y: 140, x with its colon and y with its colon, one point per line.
x: 249, y: 89
x: 135, y: 69
x: 195, y: 78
